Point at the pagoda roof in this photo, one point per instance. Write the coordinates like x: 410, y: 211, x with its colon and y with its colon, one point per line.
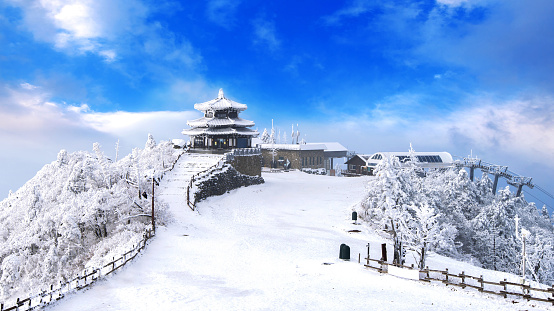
x: 220, y: 103
x: 220, y: 131
x: 219, y: 122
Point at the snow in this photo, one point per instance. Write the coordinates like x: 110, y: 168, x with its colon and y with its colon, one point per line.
x: 272, y: 246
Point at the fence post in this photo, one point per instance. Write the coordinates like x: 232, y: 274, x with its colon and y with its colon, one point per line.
x: 482, y: 283
x: 428, y: 275
x: 367, y: 254
x: 505, y: 288
x: 446, y: 277
x: 463, y: 279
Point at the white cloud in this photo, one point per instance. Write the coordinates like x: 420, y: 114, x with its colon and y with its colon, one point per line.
x: 222, y: 12
x: 453, y: 3
x: 265, y: 34
x: 109, y: 55
x: 355, y: 9
x: 79, y: 26
x: 28, y: 86
x: 34, y: 129
x: 516, y: 132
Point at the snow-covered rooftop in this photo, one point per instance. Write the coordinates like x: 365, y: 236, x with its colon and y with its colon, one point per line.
x: 220, y: 103
x: 215, y: 122
x: 220, y: 131
x: 334, y: 146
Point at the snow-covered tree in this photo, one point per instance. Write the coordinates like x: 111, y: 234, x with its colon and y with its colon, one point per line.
x: 423, y: 232
x: 68, y: 216
x: 474, y: 224
x: 544, y: 213
x: 272, y: 138
x: 265, y: 137
x: 150, y: 143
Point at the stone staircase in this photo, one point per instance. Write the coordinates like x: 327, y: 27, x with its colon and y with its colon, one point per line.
x: 173, y: 187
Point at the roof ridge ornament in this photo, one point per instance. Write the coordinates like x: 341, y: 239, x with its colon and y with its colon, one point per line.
x: 220, y: 95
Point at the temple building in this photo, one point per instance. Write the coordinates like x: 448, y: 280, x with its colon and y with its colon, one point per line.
x: 220, y: 127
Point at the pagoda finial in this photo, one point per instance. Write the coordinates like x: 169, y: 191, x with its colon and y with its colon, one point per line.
x: 220, y: 96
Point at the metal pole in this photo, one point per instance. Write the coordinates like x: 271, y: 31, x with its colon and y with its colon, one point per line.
x: 523, y: 257
x: 153, y: 223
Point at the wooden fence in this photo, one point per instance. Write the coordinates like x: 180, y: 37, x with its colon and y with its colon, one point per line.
x: 83, y: 280
x: 503, y: 288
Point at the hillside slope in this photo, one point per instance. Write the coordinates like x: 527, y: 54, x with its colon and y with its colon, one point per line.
x: 76, y: 212
x: 264, y: 248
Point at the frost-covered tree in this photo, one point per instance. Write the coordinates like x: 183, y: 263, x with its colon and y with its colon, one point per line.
x: 265, y: 137
x: 69, y: 217
x: 389, y: 195
x: 424, y: 232
x: 544, y: 213
x: 478, y: 226
x: 150, y: 143
x: 272, y: 138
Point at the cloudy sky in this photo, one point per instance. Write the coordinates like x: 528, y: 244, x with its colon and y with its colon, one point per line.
x: 455, y: 75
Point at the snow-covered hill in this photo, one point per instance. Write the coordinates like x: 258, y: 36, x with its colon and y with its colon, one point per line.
x: 274, y: 247
x: 76, y: 211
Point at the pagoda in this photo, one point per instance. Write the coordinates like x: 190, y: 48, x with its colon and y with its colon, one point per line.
x: 220, y: 127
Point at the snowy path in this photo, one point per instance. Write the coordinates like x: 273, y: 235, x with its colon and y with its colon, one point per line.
x: 264, y: 248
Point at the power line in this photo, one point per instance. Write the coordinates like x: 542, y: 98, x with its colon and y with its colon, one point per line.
x: 544, y: 191
x: 537, y: 199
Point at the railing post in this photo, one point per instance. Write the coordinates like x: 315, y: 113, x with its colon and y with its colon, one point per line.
x: 482, y: 283
x: 446, y: 277
x: 505, y: 288
x: 463, y: 279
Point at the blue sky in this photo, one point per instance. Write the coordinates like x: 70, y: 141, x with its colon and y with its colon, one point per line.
x: 448, y: 75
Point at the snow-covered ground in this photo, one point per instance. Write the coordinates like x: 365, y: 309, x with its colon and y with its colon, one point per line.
x: 273, y: 246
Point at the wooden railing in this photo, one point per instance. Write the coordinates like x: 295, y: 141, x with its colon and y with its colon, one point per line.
x: 83, y: 280
x: 198, y: 177
x: 503, y: 288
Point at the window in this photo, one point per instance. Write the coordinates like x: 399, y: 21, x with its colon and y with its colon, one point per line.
x: 402, y: 159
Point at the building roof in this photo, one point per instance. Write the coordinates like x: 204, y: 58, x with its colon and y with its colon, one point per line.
x: 330, y: 150
x: 363, y: 157
x: 220, y: 131
x: 445, y: 156
x: 309, y: 146
x: 334, y: 146
x: 220, y: 122
x: 220, y: 103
